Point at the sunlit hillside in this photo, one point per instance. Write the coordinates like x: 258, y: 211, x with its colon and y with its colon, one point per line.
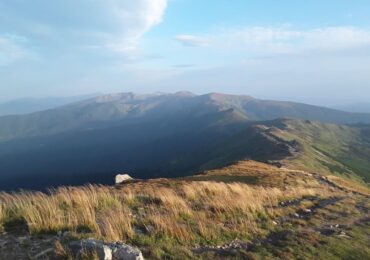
x: 246, y: 210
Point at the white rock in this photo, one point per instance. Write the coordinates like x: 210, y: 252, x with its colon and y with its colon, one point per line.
x: 91, y: 246
x: 105, y: 251
x: 125, y: 252
x: 121, y: 178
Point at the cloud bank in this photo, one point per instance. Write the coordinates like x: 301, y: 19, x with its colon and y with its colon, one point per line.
x: 114, y: 25
x: 280, y: 40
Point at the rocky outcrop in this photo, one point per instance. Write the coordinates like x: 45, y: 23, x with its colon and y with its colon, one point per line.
x: 104, y: 251
x: 122, y: 178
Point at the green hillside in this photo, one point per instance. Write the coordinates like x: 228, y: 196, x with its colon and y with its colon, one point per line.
x: 128, y: 108
x: 301, y: 144
x: 174, y: 135
x: 329, y: 148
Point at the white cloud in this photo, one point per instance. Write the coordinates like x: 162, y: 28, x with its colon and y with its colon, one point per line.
x: 114, y: 25
x: 191, y: 40
x: 10, y: 50
x: 336, y: 38
x: 136, y: 18
x: 281, y: 40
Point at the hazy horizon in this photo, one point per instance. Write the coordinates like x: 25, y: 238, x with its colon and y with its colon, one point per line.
x: 316, y: 52
x: 345, y: 104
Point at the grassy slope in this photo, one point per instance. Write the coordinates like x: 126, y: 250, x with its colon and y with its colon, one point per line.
x: 184, y: 218
x: 104, y: 111
x: 165, y: 135
x: 328, y: 148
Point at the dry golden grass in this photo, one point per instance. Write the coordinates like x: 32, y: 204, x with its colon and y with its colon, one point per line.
x: 170, y: 217
x: 182, y: 210
x: 350, y: 185
x: 2, y: 214
x: 261, y: 174
x: 61, y: 251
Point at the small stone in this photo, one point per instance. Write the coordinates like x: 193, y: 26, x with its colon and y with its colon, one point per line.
x: 121, y: 178
x: 105, y: 251
x: 91, y: 246
x: 343, y: 234
x: 125, y: 252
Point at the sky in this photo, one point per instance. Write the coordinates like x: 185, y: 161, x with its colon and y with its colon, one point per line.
x: 309, y: 51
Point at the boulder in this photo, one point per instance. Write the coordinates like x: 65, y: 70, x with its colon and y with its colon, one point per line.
x: 88, y: 247
x: 124, y: 252
x: 104, y: 251
x: 121, y: 178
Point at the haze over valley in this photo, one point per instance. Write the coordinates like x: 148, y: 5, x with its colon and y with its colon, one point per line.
x: 155, y: 135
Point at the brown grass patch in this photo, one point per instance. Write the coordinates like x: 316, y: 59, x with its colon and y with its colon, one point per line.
x: 188, y: 211
x: 350, y: 185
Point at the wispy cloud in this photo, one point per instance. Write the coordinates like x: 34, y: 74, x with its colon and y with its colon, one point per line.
x: 191, y: 40
x: 281, y: 40
x: 11, y: 50
x: 114, y: 25
x: 136, y: 18
x: 184, y: 66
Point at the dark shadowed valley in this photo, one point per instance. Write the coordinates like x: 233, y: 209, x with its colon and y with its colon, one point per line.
x: 161, y: 135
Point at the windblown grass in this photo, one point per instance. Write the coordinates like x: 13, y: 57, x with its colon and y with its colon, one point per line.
x: 167, y: 216
x: 350, y: 185
x: 2, y: 214
x: 190, y: 211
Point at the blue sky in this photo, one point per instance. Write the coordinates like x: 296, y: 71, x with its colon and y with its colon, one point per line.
x: 311, y: 51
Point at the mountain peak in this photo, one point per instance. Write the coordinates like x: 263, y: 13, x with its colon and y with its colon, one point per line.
x: 227, y: 99
x: 115, y: 97
x: 218, y: 95
x: 185, y: 93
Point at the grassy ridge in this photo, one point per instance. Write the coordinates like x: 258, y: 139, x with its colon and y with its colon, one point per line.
x: 186, y: 218
x: 165, y: 217
x: 328, y: 148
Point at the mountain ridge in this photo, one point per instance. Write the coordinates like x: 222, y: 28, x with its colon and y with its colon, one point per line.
x: 115, y: 107
x: 30, y: 105
x: 170, y: 135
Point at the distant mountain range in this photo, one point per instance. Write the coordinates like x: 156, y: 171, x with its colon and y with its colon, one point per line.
x: 169, y: 135
x: 356, y: 107
x: 30, y: 105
